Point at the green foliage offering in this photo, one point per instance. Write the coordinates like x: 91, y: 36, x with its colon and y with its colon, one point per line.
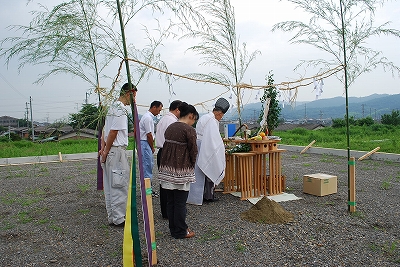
x: 274, y: 111
x: 240, y: 148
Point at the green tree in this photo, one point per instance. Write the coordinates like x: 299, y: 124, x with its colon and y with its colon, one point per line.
x: 220, y: 47
x: 23, y: 123
x: 391, y: 119
x: 324, y: 32
x: 367, y: 121
x: 338, y: 123
x: 87, y: 117
x: 270, y: 95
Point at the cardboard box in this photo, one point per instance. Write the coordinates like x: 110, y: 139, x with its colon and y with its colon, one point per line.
x: 319, y: 184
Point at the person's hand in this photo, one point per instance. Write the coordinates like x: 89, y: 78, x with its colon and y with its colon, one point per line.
x: 103, y: 156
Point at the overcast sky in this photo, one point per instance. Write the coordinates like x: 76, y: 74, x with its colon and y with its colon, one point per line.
x: 63, y: 94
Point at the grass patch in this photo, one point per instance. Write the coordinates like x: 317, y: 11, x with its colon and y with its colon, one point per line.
x: 116, y: 253
x: 84, y: 211
x: 29, y: 201
x: 211, y: 234
x: 8, y: 199
x: 328, y: 203
x: 36, y: 192
x: 388, y: 249
x: 42, y: 221
x: 24, y: 217
x: 84, y: 188
x: 94, y: 171
x: 56, y: 227
x: 386, y: 184
x: 7, y: 226
x: 357, y: 214
x: 240, y: 246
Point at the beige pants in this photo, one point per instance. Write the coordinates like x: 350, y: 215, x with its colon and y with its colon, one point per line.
x: 116, y: 180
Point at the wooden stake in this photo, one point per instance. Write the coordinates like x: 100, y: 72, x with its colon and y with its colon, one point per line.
x: 307, y: 147
x: 60, y: 156
x: 352, y: 185
x: 369, y: 153
x: 151, y: 221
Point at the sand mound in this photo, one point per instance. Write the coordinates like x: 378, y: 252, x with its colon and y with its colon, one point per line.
x: 267, y: 211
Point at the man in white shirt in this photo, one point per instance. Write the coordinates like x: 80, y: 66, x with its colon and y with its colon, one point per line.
x: 210, y: 164
x: 113, y: 157
x: 146, y: 127
x: 166, y: 120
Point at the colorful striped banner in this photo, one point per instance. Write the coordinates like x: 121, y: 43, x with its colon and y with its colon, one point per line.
x: 132, y: 255
x: 131, y: 248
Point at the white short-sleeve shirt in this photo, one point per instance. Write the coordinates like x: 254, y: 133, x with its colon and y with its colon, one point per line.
x: 146, y: 125
x: 117, y: 119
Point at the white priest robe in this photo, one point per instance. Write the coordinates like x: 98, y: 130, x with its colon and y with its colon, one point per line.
x: 210, y: 158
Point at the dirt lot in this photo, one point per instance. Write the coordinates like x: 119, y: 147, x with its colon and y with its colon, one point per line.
x: 52, y: 215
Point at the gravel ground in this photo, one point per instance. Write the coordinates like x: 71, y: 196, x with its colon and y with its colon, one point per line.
x: 52, y: 215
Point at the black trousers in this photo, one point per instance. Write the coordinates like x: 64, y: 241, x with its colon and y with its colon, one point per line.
x: 176, y: 210
x: 163, y: 194
x: 209, y: 187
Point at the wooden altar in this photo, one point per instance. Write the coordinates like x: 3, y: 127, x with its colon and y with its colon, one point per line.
x: 256, y: 173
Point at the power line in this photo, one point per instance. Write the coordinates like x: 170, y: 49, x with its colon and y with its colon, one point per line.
x: 11, y: 86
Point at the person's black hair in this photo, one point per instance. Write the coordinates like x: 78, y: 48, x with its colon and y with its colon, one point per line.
x: 125, y: 88
x: 155, y: 104
x: 186, y: 109
x: 174, y: 105
x: 218, y: 109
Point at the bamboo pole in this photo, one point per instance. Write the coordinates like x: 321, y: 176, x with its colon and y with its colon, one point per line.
x: 307, y: 147
x: 137, y: 254
x: 352, y: 185
x: 346, y: 87
x: 369, y: 153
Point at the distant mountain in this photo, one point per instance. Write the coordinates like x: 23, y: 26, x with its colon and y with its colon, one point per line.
x: 374, y: 106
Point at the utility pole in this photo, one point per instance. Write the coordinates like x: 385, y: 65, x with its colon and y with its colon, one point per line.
x: 26, y: 112
x: 33, y: 131
x: 363, y: 105
x: 86, y: 99
x: 305, y: 112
